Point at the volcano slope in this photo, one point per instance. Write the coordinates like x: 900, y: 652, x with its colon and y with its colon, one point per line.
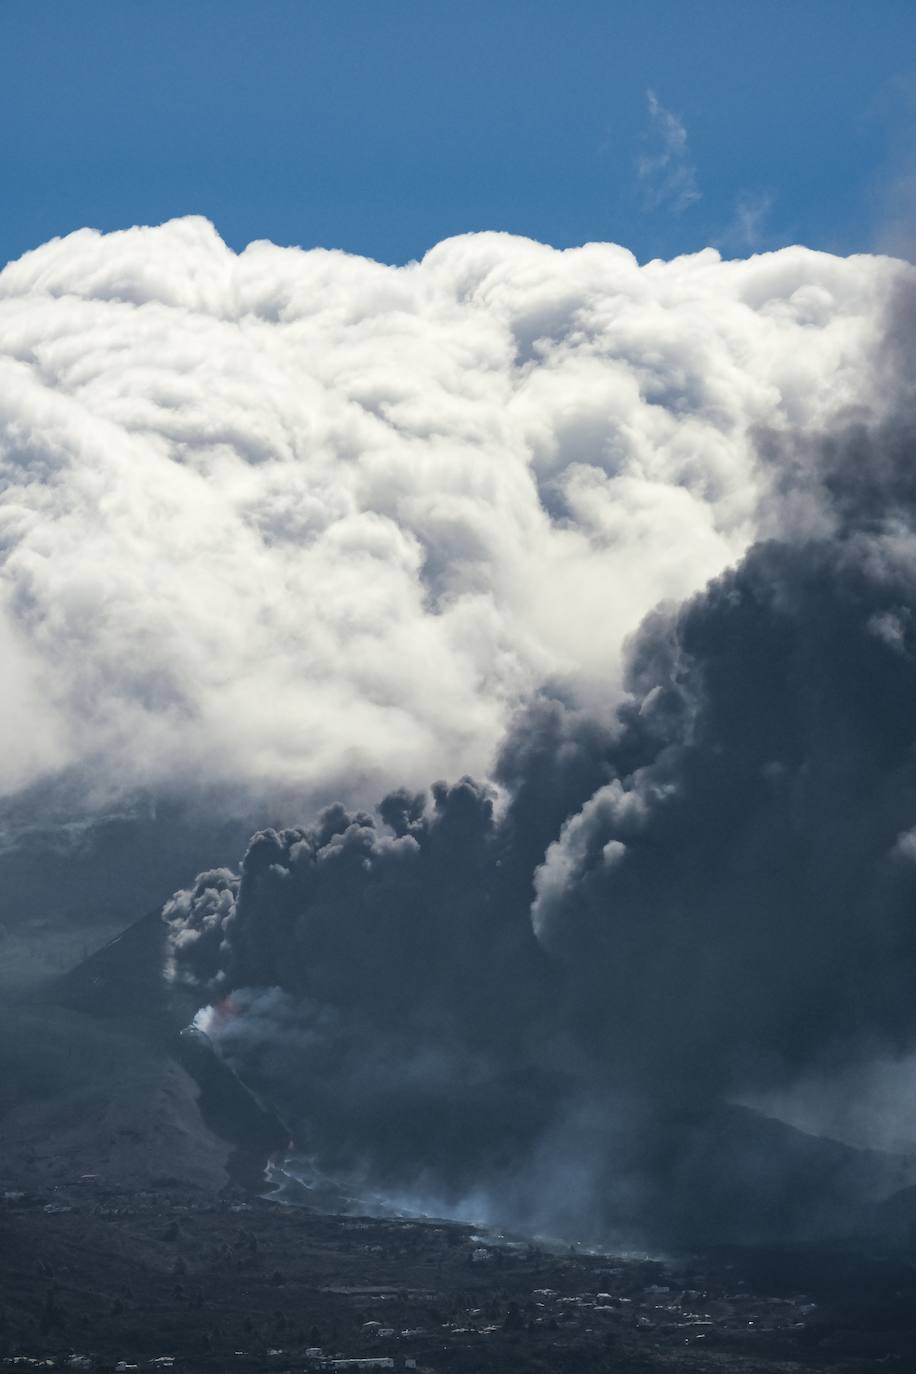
x: 87, y: 1080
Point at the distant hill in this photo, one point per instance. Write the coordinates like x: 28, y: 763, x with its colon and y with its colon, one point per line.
x: 744, y: 1178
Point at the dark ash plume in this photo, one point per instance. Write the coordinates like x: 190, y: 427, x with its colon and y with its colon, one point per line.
x: 543, y: 998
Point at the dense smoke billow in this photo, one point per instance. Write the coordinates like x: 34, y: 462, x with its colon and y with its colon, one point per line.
x: 537, y: 996
x: 630, y: 552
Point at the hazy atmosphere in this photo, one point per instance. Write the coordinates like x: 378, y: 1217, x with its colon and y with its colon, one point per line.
x: 458, y: 626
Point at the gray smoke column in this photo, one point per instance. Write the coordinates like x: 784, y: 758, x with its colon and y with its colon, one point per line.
x: 537, y: 997
x: 632, y: 545
x: 741, y: 890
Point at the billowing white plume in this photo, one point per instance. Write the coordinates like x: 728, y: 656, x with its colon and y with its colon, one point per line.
x: 298, y: 519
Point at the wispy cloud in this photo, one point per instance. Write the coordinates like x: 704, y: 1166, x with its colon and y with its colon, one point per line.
x: 751, y: 211
x: 665, y: 172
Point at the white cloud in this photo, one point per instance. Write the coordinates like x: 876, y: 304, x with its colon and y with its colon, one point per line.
x: 297, y: 520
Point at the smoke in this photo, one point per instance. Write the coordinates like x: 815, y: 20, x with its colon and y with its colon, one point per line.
x: 741, y: 891
x: 539, y: 996
x: 633, y: 547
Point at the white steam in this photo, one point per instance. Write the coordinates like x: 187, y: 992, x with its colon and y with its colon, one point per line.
x: 297, y: 519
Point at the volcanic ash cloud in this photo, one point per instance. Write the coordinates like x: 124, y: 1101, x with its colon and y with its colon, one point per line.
x: 627, y: 554
x: 702, y: 891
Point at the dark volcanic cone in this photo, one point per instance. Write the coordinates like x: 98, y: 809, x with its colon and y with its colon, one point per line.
x: 123, y: 978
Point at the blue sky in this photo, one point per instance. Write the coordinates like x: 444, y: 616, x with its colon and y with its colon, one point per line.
x: 382, y: 126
